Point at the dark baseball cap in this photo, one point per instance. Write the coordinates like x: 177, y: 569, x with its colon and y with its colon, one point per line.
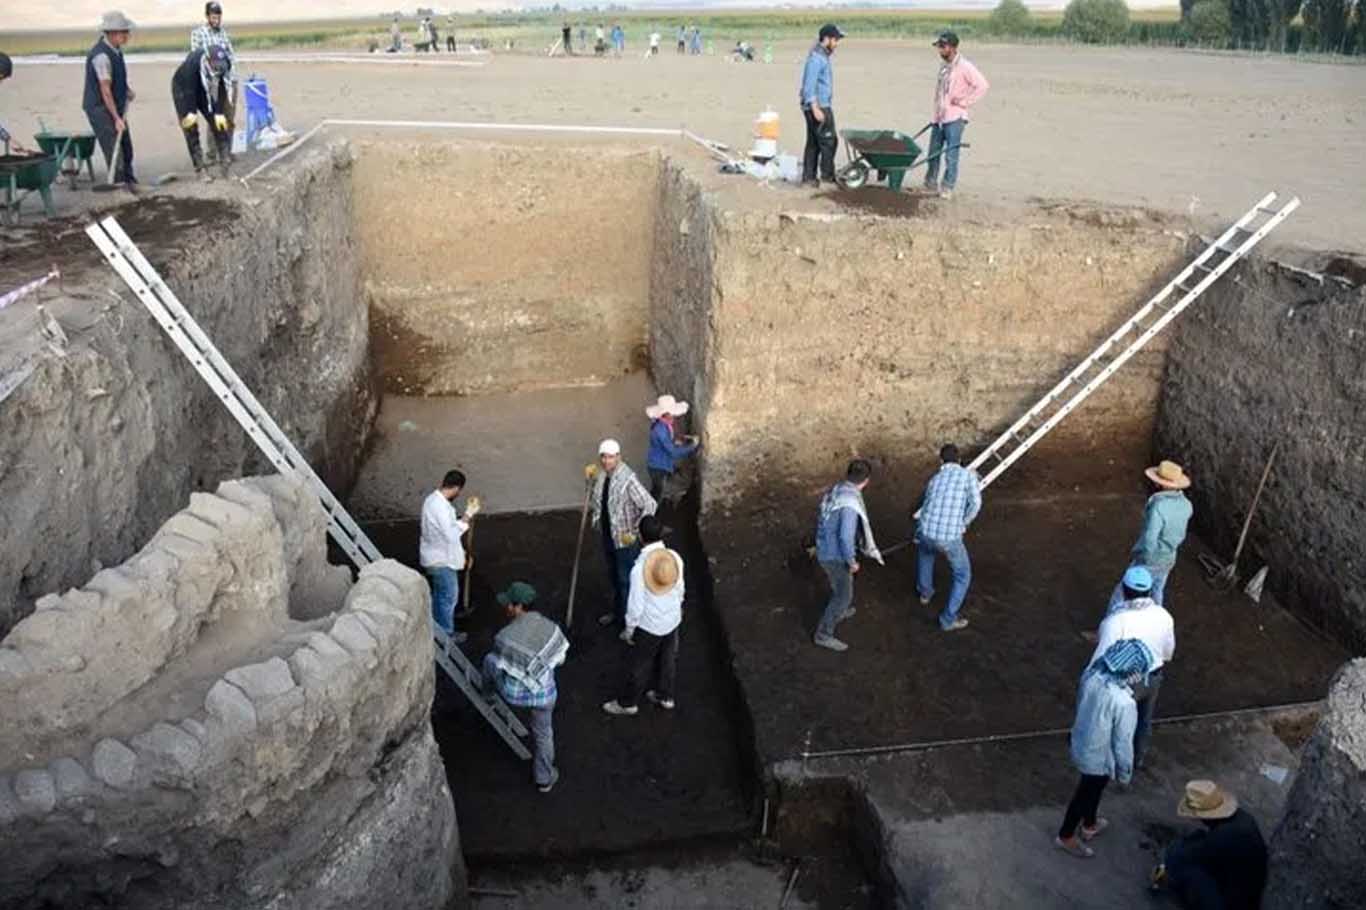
x: 946, y: 37
x: 520, y: 593
x: 831, y: 30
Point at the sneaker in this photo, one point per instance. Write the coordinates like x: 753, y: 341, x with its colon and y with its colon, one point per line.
x: 924, y: 600
x: 457, y: 638
x: 1093, y: 833
x: 946, y: 194
x: 666, y: 703
x: 550, y: 785
x: 607, y: 619
x: 930, y: 187
x: 956, y: 625
x: 612, y: 707
x: 1074, y: 847
x: 830, y: 642
x: 848, y: 613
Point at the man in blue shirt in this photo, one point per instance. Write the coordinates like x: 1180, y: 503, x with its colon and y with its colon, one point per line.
x: 952, y: 499
x: 817, y: 96
x: 1165, y: 518
x: 842, y: 530
x: 666, y: 451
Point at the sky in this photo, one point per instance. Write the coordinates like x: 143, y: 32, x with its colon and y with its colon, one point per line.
x: 45, y: 14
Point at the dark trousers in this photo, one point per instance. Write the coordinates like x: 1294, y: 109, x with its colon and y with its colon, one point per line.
x: 652, y: 656
x: 1085, y: 802
x: 450, y: 43
x: 619, y: 563
x: 821, y: 141
x: 102, y: 125
x: 1146, y: 698
x: 185, y: 104
x: 658, y: 481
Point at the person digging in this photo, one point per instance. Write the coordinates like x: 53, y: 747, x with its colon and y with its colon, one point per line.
x: 654, y: 612
x: 199, y: 89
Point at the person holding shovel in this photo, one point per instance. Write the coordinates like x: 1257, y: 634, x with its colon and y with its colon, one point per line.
x: 666, y: 448
x: 1165, y: 518
x: 619, y: 502
x: 107, y: 96
x: 440, y: 550
x: 199, y: 90
x: 842, y: 531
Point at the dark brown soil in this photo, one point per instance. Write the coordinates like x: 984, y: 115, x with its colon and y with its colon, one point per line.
x: 1295, y: 731
x: 877, y: 200
x: 1043, y: 569
x: 657, y: 778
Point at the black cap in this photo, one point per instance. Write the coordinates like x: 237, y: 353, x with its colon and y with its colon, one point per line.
x: 946, y: 37
x: 212, y: 7
x: 830, y: 30
x: 6, y: 67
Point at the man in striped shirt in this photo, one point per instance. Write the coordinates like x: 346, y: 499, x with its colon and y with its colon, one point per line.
x: 213, y: 34
x: 952, y: 499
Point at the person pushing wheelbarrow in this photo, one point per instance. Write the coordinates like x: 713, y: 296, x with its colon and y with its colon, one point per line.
x: 199, y: 89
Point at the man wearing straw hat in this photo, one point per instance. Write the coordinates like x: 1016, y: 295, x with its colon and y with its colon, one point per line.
x: 1221, y: 865
x: 666, y: 449
x: 1165, y: 518
x: 654, y: 611
x: 107, y: 95
x: 620, y: 501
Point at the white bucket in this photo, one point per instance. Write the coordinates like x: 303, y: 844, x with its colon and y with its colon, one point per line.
x: 764, y: 149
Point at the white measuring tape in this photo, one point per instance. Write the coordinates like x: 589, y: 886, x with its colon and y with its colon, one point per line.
x: 29, y: 288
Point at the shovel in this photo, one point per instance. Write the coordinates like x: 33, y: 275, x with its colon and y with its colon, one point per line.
x: 578, y: 552
x: 1227, y: 577
x: 109, y: 185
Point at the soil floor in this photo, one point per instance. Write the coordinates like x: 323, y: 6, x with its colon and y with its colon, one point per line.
x: 1185, y: 132
x: 500, y: 442
x: 1043, y: 569
x: 626, y: 782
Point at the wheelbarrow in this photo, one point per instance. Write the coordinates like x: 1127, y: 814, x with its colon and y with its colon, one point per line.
x: 79, y: 150
x: 21, y: 175
x: 890, y: 153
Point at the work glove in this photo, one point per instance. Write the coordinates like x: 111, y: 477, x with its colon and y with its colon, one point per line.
x: 473, y: 506
x: 189, y: 122
x: 590, y: 471
x: 628, y: 540
x: 1157, y: 879
x: 220, y: 123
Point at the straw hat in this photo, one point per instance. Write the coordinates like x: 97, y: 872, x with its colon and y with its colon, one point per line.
x: 115, y: 21
x: 666, y: 404
x: 1168, y: 475
x: 1205, y: 799
x: 661, y: 571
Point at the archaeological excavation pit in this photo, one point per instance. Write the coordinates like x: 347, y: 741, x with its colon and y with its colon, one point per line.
x: 406, y: 306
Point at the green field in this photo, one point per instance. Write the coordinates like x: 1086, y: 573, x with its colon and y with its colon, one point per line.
x: 533, y: 31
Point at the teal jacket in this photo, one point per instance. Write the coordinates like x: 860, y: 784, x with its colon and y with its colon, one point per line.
x: 1164, y: 528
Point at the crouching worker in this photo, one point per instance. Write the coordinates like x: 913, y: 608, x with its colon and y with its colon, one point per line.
x: 199, y: 89
x: 1222, y: 864
x: 521, y: 668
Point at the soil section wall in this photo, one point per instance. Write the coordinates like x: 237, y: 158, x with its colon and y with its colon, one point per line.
x: 1278, y: 357
x: 500, y: 267
x: 818, y: 338
x: 113, y: 429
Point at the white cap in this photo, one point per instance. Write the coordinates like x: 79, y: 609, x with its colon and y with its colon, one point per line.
x: 609, y: 447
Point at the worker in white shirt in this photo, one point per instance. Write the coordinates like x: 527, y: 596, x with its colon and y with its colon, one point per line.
x: 1139, y: 616
x: 441, y: 552
x: 654, y: 611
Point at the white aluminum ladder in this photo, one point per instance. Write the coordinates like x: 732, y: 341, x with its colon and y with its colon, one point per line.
x: 139, y: 274
x: 1216, y: 259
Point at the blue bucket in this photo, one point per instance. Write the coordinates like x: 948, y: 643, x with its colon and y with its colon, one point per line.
x: 259, y: 112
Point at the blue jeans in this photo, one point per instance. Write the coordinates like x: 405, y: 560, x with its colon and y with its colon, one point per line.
x: 445, y: 583
x: 957, y: 555
x: 1146, y: 699
x: 543, y: 744
x: 1158, y: 592
x: 841, y: 596
x: 944, y: 136
x: 619, y: 563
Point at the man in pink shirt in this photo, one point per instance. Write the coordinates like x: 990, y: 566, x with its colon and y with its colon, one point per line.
x: 959, y: 87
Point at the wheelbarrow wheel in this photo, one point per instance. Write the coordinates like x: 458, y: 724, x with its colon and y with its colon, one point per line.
x: 853, y: 176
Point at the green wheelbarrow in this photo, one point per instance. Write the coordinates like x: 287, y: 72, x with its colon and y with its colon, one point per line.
x: 73, y: 151
x: 21, y: 175
x: 889, y: 153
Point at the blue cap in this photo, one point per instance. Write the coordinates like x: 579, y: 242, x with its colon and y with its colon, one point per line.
x: 1138, y: 578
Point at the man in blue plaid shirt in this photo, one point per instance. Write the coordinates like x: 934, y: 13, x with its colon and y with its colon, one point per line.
x: 952, y: 499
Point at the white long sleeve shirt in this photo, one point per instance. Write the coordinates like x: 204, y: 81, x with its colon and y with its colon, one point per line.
x: 658, y: 614
x: 1143, y: 619
x: 440, y: 545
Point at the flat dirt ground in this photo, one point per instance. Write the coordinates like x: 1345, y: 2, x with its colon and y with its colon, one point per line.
x: 1179, y: 131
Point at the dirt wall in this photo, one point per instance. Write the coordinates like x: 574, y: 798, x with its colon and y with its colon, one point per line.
x: 888, y: 336
x: 502, y: 267
x: 1279, y: 357
x: 112, y: 429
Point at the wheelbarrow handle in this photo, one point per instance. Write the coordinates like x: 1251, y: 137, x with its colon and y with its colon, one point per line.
x: 939, y: 154
x: 922, y: 131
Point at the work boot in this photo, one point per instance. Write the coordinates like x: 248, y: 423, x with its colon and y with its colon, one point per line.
x: 829, y: 642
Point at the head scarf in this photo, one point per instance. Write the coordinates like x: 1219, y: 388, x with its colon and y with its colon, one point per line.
x: 1126, y: 661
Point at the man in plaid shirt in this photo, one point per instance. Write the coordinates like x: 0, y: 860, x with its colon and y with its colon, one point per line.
x: 213, y: 34
x: 952, y: 499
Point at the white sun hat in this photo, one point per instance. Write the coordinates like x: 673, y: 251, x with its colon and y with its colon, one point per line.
x: 666, y: 404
